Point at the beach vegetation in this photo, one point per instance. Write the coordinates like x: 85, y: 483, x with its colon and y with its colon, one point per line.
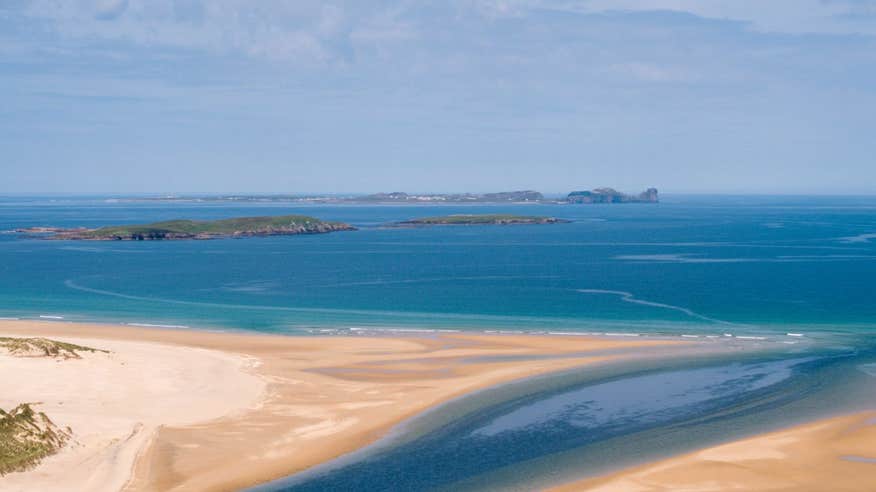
x: 43, y: 347
x: 26, y: 437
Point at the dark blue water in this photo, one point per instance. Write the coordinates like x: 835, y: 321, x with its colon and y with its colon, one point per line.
x: 696, y: 264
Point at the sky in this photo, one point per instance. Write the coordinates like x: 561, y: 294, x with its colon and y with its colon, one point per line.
x: 170, y: 96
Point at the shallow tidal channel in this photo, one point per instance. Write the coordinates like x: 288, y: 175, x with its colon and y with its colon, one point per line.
x: 551, y: 429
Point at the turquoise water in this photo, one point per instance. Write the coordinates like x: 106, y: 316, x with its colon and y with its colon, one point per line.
x: 690, y: 264
x: 753, y: 267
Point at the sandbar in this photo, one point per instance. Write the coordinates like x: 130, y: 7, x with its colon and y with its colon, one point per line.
x: 837, y: 454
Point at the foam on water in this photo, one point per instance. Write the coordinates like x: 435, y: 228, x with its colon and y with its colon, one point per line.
x: 631, y: 298
x: 155, y: 325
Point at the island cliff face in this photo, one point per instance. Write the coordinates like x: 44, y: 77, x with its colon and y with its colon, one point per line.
x: 610, y: 195
x: 285, y: 225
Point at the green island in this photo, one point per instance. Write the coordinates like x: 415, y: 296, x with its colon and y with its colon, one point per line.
x: 26, y: 437
x: 283, y: 225
x: 484, y: 219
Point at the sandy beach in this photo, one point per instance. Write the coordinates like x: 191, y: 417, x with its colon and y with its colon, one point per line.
x: 836, y: 454
x: 193, y: 410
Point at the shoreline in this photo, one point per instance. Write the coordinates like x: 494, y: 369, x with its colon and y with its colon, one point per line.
x: 771, y: 333
x: 330, y: 395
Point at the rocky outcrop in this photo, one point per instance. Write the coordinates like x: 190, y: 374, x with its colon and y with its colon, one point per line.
x: 610, y: 195
x: 190, y: 229
x: 500, y: 197
x: 481, y: 220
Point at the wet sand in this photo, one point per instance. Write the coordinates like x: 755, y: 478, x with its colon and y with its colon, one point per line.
x: 837, y: 454
x: 222, y: 411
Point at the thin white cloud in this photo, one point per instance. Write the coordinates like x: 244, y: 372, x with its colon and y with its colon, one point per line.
x: 332, y: 31
x: 783, y: 16
x: 305, y: 30
x: 110, y: 9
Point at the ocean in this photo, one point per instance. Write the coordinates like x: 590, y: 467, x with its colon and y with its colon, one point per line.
x: 792, y: 277
x: 692, y: 264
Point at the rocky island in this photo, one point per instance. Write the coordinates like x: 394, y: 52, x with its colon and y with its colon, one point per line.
x: 598, y: 195
x: 524, y: 196
x: 284, y: 225
x: 610, y: 195
x: 487, y: 219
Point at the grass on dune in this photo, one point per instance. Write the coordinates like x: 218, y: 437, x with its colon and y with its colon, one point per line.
x: 43, y: 347
x: 26, y: 437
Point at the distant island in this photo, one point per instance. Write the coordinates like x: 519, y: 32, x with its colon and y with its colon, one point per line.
x: 489, y: 219
x: 284, y: 225
x: 598, y: 195
x: 610, y: 195
x: 500, y: 197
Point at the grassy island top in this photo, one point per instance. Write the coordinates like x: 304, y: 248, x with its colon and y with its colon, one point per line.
x: 224, y: 226
x: 483, y: 219
x: 207, y: 229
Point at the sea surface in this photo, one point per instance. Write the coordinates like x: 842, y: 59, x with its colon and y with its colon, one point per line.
x: 692, y: 264
x: 782, y: 290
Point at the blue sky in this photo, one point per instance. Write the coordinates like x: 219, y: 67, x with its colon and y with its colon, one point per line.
x: 758, y: 96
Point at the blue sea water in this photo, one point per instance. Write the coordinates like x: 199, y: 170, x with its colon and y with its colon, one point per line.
x: 689, y: 264
x: 697, y: 265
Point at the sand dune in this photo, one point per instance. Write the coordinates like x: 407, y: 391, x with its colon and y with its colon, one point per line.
x: 114, y: 403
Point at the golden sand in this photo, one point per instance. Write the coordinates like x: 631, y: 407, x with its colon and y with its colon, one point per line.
x: 222, y: 411
x: 831, y: 455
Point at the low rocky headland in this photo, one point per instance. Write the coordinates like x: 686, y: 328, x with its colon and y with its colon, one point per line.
x: 284, y: 225
x: 488, y: 219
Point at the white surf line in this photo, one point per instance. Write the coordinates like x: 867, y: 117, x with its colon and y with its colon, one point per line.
x: 794, y: 334
x: 153, y: 325
x: 631, y: 298
x: 4, y: 318
x: 47, y: 316
x: 395, y: 330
